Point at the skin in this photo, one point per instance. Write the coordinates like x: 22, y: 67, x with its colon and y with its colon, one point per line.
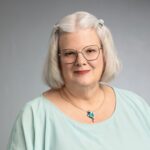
x: 82, y: 86
x: 81, y: 80
x: 76, y: 79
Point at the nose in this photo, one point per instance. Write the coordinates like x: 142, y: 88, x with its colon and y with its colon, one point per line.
x: 80, y: 60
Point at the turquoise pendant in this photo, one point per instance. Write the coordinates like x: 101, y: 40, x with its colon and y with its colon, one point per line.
x: 90, y: 114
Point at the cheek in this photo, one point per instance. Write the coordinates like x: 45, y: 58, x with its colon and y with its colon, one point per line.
x: 101, y: 63
x: 97, y: 64
x: 98, y: 69
x: 65, y: 70
x: 62, y: 68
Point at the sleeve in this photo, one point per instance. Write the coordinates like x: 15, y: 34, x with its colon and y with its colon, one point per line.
x: 146, y: 111
x: 22, y: 134
x: 143, y: 109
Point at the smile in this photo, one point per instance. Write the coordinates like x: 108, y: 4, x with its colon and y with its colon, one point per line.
x: 81, y: 72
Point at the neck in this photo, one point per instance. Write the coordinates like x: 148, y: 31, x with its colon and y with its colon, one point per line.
x: 85, y: 97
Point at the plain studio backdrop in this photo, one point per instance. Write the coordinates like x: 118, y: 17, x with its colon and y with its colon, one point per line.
x: 25, y: 27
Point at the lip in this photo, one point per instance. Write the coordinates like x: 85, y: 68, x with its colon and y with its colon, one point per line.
x: 81, y: 72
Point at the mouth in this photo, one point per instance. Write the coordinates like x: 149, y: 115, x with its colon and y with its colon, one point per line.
x: 81, y: 72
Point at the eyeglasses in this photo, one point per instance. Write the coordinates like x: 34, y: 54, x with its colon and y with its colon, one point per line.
x: 90, y: 53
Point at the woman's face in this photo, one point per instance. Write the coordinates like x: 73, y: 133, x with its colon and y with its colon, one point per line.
x: 81, y: 71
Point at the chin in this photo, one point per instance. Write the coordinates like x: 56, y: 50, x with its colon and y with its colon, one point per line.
x: 85, y: 83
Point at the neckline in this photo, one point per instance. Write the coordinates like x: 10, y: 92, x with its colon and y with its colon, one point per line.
x: 100, y: 123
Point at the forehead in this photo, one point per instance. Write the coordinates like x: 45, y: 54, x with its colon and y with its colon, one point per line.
x: 79, y: 39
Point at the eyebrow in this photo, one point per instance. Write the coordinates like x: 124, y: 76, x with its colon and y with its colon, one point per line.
x: 99, y: 46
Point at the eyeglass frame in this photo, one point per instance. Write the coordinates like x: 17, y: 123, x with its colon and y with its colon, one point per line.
x: 77, y: 53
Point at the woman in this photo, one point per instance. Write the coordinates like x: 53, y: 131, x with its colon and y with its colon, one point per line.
x: 79, y: 112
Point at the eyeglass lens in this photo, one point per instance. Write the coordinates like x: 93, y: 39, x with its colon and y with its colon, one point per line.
x: 89, y: 53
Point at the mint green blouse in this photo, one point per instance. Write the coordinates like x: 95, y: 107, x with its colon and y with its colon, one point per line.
x: 41, y: 125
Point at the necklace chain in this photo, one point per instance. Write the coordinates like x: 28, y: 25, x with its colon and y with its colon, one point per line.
x: 90, y: 114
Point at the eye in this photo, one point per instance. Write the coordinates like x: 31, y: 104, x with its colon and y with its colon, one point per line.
x: 91, y: 50
x: 69, y: 53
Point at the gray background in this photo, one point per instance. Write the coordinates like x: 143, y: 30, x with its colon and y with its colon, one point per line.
x: 25, y: 27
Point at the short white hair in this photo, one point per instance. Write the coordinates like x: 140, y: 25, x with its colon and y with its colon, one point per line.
x: 79, y: 20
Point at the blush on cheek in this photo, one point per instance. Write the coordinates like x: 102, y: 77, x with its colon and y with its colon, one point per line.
x: 66, y: 71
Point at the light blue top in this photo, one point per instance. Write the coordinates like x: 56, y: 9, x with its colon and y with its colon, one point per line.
x: 40, y: 125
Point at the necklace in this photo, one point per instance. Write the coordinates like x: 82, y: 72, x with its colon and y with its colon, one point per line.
x: 89, y: 114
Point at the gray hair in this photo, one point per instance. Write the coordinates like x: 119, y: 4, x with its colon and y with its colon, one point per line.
x: 70, y: 23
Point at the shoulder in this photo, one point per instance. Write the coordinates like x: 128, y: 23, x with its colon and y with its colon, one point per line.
x: 33, y: 111
x: 133, y: 101
x: 22, y: 133
x: 32, y: 118
x: 130, y: 96
x: 33, y: 106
